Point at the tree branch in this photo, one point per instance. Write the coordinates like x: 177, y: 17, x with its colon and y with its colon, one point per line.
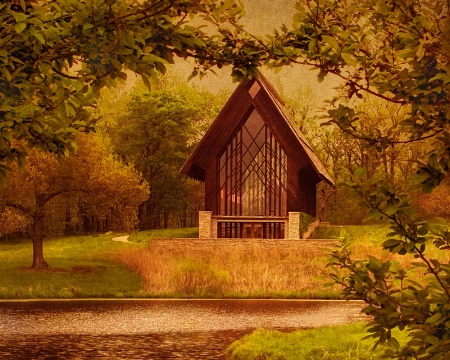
x: 22, y: 208
x: 61, y: 191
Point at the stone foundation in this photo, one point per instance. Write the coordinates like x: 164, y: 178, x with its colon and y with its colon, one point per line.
x: 293, y: 227
x: 208, y: 226
x: 205, y: 225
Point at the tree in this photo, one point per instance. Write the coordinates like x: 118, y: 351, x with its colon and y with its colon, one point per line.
x: 92, y: 178
x: 397, y: 51
x: 432, y: 204
x: 56, y: 55
x: 156, y: 136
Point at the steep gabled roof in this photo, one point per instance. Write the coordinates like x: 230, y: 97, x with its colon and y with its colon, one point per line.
x: 239, y: 106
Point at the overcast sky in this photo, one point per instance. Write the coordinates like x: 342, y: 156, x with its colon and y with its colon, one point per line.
x: 262, y: 16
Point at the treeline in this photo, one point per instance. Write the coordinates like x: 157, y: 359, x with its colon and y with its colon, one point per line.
x: 121, y: 178
x: 126, y: 175
x: 346, y: 155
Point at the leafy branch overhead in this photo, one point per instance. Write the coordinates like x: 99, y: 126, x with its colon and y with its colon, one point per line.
x: 397, y: 51
x: 55, y: 56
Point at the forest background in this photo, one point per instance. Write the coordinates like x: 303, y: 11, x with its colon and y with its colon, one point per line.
x: 126, y: 175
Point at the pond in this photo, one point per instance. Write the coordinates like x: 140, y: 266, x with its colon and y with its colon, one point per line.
x: 152, y: 329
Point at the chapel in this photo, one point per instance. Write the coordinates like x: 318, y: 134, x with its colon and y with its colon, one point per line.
x: 259, y: 171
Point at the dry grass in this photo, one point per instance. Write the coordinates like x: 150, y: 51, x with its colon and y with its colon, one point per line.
x: 367, y: 241
x: 256, y: 270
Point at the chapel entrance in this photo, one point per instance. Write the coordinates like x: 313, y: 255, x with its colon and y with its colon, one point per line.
x: 270, y: 229
x: 252, y: 230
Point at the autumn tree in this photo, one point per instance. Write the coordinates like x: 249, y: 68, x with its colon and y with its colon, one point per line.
x: 92, y: 179
x: 397, y: 51
x: 56, y: 56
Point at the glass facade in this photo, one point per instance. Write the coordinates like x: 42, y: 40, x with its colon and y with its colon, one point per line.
x: 252, y: 180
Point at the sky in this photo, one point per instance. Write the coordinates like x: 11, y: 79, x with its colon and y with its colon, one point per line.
x: 262, y: 16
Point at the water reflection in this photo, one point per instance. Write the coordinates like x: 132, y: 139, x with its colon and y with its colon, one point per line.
x: 151, y: 329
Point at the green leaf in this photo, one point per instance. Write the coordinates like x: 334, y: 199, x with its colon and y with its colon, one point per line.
x: 360, y: 173
x: 432, y: 340
x: 151, y: 58
x: 70, y: 109
x: 391, y: 210
x: 419, y: 178
x: 332, y: 41
x: 445, y: 77
x: 349, y: 59
x: 116, y: 63
x: 19, y: 27
x: 435, y: 318
x: 146, y: 81
x: 393, y: 343
x: 19, y: 17
x: 391, y: 243
x: 38, y: 36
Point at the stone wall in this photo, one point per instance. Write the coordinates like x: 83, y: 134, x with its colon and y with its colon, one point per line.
x: 204, y: 224
x: 197, y: 243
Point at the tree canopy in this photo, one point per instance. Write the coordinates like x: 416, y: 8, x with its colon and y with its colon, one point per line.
x: 156, y: 135
x: 91, y: 186
x: 55, y: 56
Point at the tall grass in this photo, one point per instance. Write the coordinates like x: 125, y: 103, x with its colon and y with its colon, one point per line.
x: 367, y: 240
x: 230, y: 271
x: 252, y: 270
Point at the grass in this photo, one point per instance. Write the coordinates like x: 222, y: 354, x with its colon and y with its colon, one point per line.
x: 254, y: 271
x: 96, y: 266
x: 80, y: 266
x: 328, y: 343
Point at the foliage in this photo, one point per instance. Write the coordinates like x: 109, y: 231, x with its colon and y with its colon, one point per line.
x: 11, y: 222
x: 305, y: 221
x: 343, y: 153
x: 397, y: 51
x: 91, y: 183
x: 156, y: 135
x: 56, y: 55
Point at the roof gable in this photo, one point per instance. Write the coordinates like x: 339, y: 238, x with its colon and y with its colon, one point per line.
x: 251, y: 94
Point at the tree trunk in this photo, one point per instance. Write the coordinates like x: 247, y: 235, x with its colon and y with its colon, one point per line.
x: 165, y: 218
x: 37, y: 236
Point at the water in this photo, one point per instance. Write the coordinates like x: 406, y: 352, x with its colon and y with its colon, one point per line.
x: 152, y: 329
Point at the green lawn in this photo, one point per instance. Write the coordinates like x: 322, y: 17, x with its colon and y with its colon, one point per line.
x: 328, y: 343
x: 81, y: 266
